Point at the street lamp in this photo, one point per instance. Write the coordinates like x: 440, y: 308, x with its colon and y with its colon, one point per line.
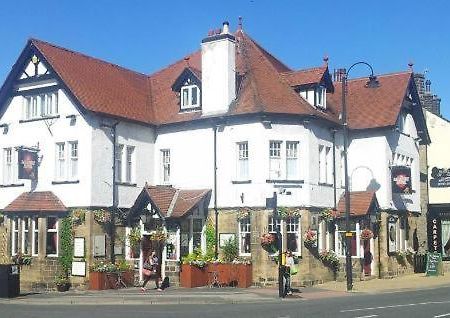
x: 372, y: 83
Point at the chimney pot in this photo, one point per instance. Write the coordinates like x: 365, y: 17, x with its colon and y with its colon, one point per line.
x: 226, y: 28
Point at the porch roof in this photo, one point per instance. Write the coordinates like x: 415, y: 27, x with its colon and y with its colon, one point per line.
x: 361, y: 203
x: 32, y: 202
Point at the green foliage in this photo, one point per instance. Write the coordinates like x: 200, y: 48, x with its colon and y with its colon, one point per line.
x: 197, y: 258
x: 230, y: 250
x: 210, y: 233
x: 134, y: 237
x: 66, y: 237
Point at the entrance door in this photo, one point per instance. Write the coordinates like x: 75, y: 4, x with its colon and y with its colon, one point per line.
x: 368, y: 258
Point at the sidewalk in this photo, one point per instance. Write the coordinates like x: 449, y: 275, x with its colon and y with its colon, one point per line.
x: 204, y: 295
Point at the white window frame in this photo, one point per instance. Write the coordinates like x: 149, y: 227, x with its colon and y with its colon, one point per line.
x: 60, y: 153
x: 40, y: 105
x: 292, y: 155
x: 320, y: 96
x: 165, y: 166
x: 14, y: 236
x: 275, y: 169
x: 189, y: 104
x: 244, y: 229
x: 8, y: 166
x: 242, y: 167
x: 130, y: 164
x: 119, y: 162
x: 56, y: 230
x: 342, y: 169
x: 73, y: 159
x: 329, y: 164
x: 176, y: 245
x: 35, y: 237
x: 25, y: 230
x: 339, y: 242
x: 291, y: 229
x: 273, y: 223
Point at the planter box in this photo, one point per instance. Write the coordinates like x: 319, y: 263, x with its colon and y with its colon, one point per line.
x: 111, y: 281
x: 128, y: 278
x: 245, y: 278
x: 96, y: 281
x: 193, y: 276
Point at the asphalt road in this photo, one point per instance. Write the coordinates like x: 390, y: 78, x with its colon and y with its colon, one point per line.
x: 434, y: 303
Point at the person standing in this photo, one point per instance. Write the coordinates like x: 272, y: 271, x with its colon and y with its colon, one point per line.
x: 150, y: 271
x: 289, y: 266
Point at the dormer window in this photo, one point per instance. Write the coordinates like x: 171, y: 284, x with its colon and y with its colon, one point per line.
x: 320, y: 97
x: 190, y: 97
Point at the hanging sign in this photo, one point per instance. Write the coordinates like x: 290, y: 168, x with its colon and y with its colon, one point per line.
x: 440, y: 178
x: 27, y: 162
x: 401, y: 179
x: 434, y: 264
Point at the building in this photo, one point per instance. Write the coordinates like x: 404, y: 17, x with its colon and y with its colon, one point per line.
x: 207, y: 139
x: 429, y: 101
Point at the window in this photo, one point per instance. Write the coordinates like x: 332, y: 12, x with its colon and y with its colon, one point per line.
x: 275, y: 160
x: 320, y: 97
x: 7, y: 166
x: 132, y: 251
x: 14, y: 236
x: 52, y: 236
x: 197, y: 230
x: 73, y: 168
x: 43, y: 105
x: 275, y: 224
x: 35, y: 237
x: 26, y: 236
x: 129, y: 168
x: 190, y: 97
x: 325, y: 165
x: 342, y: 243
x: 242, y: 167
x: 342, y: 169
x: 60, y: 161
x: 165, y: 162
x: 119, y: 156
x: 244, y: 236
x: 291, y: 160
x: 172, y: 243
x: 292, y: 235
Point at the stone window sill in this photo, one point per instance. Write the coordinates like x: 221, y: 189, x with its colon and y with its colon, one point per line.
x: 12, y: 185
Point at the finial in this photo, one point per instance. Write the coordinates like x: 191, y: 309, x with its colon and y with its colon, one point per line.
x: 410, y: 65
x: 325, y: 59
x: 240, y: 23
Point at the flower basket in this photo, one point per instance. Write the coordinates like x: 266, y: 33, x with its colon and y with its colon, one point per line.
x: 286, y: 213
x: 78, y: 216
x: 102, y: 216
x: 310, y: 239
x: 330, y: 259
x: 158, y: 235
x: 62, y: 283
x: 243, y: 213
x: 268, y: 241
x: 366, y: 234
x: 21, y: 259
x: 326, y: 215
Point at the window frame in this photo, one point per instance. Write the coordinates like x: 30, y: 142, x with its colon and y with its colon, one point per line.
x: 56, y: 231
x: 292, y: 153
x: 73, y: 160
x: 8, y: 165
x: 15, y: 236
x: 273, y: 223
x: 275, y: 159
x: 119, y: 162
x: 42, y: 105
x: 244, y: 230
x: 35, y: 237
x: 165, y: 166
x: 242, y: 174
x: 296, y: 232
x: 130, y: 164
x: 61, y: 162
x: 320, y: 96
x: 189, y: 105
x: 25, y: 235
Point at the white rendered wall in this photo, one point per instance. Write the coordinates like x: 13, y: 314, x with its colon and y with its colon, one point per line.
x: 438, y: 154
x: 36, y: 133
x: 218, y: 75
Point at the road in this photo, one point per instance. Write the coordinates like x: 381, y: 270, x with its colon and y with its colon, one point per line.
x: 433, y: 303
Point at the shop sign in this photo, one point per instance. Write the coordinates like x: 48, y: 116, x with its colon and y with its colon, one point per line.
x: 434, y: 235
x: 440, y: 178
x: 27, y: 162
x: 401, y: 179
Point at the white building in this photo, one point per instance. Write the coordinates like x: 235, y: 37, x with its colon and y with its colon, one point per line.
x: 230, y: 118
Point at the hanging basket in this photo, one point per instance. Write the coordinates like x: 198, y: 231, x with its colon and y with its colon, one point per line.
x: 366, y: 234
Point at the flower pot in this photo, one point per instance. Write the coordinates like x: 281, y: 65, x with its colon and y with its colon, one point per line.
x: 63, y: 287
x: 193, y: 276
x: 96, y: 280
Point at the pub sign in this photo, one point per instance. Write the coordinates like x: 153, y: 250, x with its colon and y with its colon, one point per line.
x: 440, y: 177
x: 401, y: 179
x: 28, y: 168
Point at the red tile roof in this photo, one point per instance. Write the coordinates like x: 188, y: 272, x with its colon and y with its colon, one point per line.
x: 36, y: 202
x: 305, y: 77
x: 173, y: 202
x: 372, y: 107
x: 360, y: 203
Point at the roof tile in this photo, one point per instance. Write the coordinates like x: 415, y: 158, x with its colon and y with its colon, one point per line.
x: 45, y: 201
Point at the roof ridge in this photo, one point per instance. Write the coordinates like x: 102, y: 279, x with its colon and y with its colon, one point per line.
x: 380, y: 75
x: 305, y: 70
x: 173, y: 64
x: 34, y: 40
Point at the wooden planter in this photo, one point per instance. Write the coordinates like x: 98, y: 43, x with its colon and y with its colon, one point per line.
x: 128, y: 278
x: 193, y: 276
x: 244, y: 273
x: 96, y: 281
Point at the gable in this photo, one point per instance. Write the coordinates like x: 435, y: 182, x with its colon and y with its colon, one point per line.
x: 187, y: 77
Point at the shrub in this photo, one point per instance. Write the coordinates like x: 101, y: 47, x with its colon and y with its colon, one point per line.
x: 230, y: 250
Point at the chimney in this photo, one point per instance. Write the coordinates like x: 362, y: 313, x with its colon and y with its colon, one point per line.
x: 428, y: 86
x: 218, y: 71
x: 338, y: 74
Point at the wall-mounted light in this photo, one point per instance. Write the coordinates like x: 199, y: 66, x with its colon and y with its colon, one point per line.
x: 73, y: 119
x: 267, y: 124
x: 5, y: 128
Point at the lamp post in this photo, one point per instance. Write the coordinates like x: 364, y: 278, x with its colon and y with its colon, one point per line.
x: 372, y: 83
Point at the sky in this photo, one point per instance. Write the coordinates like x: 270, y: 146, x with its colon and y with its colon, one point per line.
x: 146, y: 35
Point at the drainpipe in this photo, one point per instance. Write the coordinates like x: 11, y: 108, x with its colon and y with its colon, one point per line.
x: 216, y: 212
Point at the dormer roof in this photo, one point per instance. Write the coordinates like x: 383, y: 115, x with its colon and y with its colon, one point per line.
x: 188, y: 74
x: 309, y: 77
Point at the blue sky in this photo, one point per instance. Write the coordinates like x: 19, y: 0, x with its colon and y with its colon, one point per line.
x: 147, y: 35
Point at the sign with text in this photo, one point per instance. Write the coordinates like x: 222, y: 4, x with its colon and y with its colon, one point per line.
x: 27, y: 162
x: 434, y: 234
x: 440, y: 178
x: 434, y: 261
x: 401, y: 179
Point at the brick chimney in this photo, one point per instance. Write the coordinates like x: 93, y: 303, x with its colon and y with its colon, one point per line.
x: 218, y: 71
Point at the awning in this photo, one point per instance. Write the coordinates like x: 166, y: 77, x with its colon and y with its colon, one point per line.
x: 36, y: 202
x: 361, y: 204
